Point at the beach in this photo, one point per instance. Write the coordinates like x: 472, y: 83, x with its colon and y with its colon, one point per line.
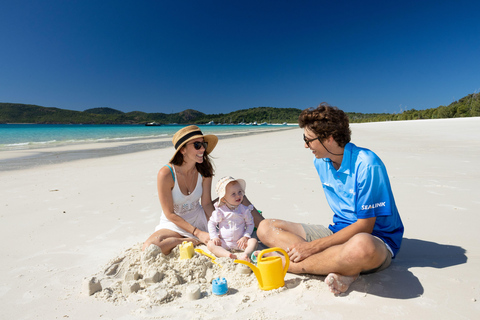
x: 62, y: 222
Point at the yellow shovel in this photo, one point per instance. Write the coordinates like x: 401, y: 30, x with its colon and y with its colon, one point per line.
x: 208, y: 255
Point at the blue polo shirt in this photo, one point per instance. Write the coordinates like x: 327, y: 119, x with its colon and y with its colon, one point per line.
x: 360, y: 189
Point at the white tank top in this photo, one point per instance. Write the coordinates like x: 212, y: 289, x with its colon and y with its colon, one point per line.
x: 186, y: 206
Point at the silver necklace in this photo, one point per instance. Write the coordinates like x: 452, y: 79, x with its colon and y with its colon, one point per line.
x: 186, y: 183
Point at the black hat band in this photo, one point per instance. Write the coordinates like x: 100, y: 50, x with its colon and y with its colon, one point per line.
x: 186, y: 137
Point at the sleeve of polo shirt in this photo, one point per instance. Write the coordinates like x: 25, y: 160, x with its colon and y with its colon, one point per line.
x: 372, y: 194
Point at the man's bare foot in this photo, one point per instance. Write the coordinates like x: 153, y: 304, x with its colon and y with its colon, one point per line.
x: 338, y: 283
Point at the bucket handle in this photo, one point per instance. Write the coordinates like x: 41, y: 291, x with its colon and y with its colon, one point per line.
x: 274, y: 249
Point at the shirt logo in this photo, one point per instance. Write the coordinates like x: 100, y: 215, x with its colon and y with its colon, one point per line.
x: 373, y: 206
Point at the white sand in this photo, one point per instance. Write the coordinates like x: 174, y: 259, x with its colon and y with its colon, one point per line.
x: 64, y: 222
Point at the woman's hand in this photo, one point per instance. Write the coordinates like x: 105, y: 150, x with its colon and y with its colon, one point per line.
x: 203, y: 236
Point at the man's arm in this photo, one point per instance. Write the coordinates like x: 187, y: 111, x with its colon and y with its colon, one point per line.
x: 301, y: 250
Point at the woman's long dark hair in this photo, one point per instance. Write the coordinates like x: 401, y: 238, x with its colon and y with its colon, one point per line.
x: 205, y: 168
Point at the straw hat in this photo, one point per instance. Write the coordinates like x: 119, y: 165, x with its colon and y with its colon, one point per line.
x: 186, y: 134
x: 222, y: 185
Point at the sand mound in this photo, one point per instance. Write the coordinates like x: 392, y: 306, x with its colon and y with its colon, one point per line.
x: 152, y: 278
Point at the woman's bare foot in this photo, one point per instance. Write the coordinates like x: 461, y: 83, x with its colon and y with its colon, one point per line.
x: 195, y: 242
x: 338, y: 283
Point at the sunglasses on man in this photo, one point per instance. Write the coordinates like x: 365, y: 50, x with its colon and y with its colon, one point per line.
x: 307, y: 141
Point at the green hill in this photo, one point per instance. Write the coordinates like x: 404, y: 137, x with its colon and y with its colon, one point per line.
x: 103, y: 111
x: 23, y: 113
x: 26, y: 113
x: 468, y: 106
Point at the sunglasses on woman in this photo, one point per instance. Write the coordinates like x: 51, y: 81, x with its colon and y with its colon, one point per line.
x: 198, y: 145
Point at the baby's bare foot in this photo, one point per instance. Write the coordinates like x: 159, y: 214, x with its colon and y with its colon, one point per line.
x: 338, y: 283
x: 243, y: 256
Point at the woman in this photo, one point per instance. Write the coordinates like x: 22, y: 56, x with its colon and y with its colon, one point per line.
x: 181, y: 185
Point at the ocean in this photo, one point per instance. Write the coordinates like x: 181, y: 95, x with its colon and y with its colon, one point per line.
x: 33, y: 136
x: 30, y: 145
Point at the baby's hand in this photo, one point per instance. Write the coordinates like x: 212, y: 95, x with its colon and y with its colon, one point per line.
x: 242, y: 242
x: 217, y: 241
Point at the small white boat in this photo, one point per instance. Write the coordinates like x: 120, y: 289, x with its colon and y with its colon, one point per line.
x: 152, y: 124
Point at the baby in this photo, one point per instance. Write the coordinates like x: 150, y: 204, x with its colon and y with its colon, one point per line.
x: 234, y: 221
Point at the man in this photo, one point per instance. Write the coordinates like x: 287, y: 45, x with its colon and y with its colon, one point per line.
x: 367, y: 230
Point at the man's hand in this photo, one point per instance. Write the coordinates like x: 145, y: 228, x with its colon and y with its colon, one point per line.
x: 299, y: 251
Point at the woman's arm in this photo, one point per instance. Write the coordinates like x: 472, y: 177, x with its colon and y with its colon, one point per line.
x: 207, y: 203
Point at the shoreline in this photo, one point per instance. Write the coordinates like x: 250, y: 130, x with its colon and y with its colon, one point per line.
x: 29, y: 158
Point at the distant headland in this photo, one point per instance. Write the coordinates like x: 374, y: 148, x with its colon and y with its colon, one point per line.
x: 468, y: 106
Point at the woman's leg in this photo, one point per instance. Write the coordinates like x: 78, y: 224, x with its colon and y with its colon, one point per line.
x: 167, y: 240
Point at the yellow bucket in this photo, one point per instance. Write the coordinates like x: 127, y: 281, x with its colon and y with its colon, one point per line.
x: 186, y: 250
x: 269, y: 271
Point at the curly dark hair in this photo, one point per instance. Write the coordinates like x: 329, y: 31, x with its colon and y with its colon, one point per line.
x: 326, y: 121
x: 205, y: 168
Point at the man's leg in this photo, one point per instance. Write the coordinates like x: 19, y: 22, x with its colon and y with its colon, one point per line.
x: 343, y: 263
x: 280, y: 233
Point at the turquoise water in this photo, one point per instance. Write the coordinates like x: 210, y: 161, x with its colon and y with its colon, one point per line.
x: 31, y: 136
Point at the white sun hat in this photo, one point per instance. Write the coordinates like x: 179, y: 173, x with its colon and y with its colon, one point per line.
x: 222, y: 185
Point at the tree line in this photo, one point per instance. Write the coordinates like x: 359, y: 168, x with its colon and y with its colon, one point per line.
x: 468, y: 106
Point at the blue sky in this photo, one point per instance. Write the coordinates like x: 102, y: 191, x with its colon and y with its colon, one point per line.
x: 221, y: 56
